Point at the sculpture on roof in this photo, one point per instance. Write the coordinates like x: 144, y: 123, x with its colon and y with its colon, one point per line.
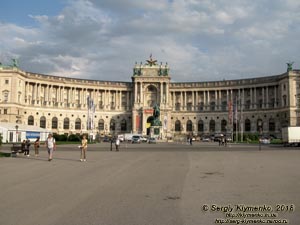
x: 289, y: 66
x: 151, y: 62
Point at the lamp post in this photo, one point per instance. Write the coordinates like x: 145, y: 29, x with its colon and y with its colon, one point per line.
x: 17, y: 127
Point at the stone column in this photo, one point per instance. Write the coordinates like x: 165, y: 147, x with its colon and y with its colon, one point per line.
x: 251, y: 99
x: 216, y: 100
x: 208, y: 100
x: 185, y: 100
x: 267, y: 97
x: 128, y: 100
x: 197, y: 101
x: 135, y: 92
x: 204, y: 101
x: 255, y: 99
x: 167, y: 94
x: 263, y: 98
x: 193, y: 101
x: 275, y: 96
x: 181, y: 101
x: 227, y: 99
x: 141, y: 93
x: 161, y: 93
x: 174, y: 100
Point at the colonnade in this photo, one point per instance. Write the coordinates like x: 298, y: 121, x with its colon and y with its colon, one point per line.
x: 76, y: 97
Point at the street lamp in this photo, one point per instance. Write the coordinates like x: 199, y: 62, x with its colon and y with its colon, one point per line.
x: 17, y: 127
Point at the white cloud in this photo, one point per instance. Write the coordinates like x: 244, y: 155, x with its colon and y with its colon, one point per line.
x: 200, y: 40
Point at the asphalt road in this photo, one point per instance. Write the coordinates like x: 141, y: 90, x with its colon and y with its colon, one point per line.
x: 157, y: 184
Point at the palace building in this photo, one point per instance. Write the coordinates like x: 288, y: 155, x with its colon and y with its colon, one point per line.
x: 70, y: 105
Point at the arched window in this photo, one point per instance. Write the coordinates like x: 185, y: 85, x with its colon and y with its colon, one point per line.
x: 101, y: 124
x: 30, y: 120
x: 272, y: 126
x: 177, y: 125
x: 223, y: 126
x: 123, y: 125
x: 78, y: 124
x: 54, y: 123
x: 200, y: 126
x: 247, y: 125
x: 112, y: 125
x: 212, y: 126
x: 43, y: 122
x: 66, y: 123
x: 189, y: 126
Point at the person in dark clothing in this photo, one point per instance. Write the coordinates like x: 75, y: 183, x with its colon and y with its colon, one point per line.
x: 37, y: 146
x: 23, y: 146
x: 27, y: 148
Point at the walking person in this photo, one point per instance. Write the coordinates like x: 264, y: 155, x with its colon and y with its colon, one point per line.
x: 23, y: 147
x: 27, y: 147
x: 191, y: 140
x: 50, y: 145
x: 117, y: 144
x: 111, y: 142
x: 83, y: 148
x: 36, y: 146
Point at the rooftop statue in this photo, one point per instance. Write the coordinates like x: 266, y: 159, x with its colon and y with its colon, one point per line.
x: 15, y: 63
x: 289, y: 66
x: 151, y: 62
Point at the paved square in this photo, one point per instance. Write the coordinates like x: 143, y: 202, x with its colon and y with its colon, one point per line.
x: 157, y: 184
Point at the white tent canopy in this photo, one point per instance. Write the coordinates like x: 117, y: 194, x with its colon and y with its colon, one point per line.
x: 13, y: 132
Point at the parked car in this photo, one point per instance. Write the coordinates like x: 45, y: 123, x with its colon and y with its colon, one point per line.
x: 143, y: 139
x: 136, y: 139
x: 265, y: 140
x: 152, y: 140
x: 106, y: 139
x: 205, y: 139
x: 218, y: 137
x: 228, y: 139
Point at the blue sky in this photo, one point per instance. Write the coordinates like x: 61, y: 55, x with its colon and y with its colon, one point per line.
x: 202, y: 40
x: 18, y: 11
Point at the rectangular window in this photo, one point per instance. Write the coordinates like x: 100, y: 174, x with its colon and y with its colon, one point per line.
x: 6, y: 81
x: 5, y: 111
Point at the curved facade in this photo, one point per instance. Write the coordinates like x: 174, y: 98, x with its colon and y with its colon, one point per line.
x: 69, y: 105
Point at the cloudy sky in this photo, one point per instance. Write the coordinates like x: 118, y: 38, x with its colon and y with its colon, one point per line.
x: 202, y: 40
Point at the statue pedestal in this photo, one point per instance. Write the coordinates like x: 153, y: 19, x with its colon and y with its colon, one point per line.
x: 155, y: 131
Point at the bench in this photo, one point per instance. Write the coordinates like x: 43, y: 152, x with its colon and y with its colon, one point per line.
x: 15, y: 149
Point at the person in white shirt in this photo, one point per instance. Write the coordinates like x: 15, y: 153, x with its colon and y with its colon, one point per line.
x: 50, y: 145
x: 117, y: 144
